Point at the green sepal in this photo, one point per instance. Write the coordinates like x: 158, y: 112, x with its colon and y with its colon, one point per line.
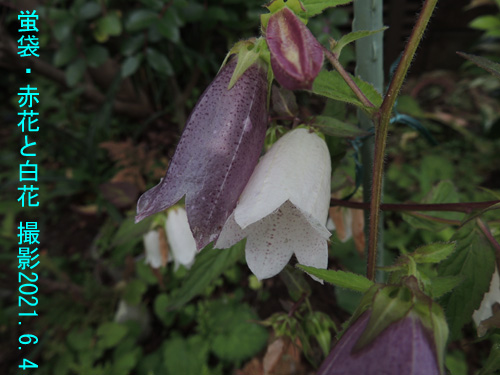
x: 276, y: 5
x: 390, y: 304
x: 432, y: 317
x: 315, y: 7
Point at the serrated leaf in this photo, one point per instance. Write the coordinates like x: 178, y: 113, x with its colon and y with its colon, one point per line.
x: 488, y: 65
x: 474, y: 261
x: 337, y: 128
x: 341, y: 279
x: 159, y: 62
x: 130, y: 65
x: 209, y: 265
x: 234, y: 333
x: 315, y: 7
x: 439, y: 286
x: 110, y: 334
x: 352, y: 37
x: 332, y: 85
x: 433, y: 253
x: 183, y: 356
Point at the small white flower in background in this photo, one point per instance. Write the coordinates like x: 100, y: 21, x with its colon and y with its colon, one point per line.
x: 153, y: 249
x: 284, y: 207
x: 348, y: 223
x: 492, y: 297
x: 180, y: 238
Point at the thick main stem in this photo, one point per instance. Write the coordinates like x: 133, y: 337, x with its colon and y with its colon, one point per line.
x: 382, y: 120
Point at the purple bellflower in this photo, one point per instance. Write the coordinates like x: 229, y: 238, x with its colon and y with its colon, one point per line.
x: 296, y: 55
x: 216, y: 154
x: 404, y: 347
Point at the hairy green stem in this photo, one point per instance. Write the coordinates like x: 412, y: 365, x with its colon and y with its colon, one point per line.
x: 347, y: 78
x: 382, y: 119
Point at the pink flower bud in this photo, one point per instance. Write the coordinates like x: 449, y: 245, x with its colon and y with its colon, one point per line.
x: 296, y: 55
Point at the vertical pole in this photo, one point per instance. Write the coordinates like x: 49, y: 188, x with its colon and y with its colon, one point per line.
x: 369, y: 66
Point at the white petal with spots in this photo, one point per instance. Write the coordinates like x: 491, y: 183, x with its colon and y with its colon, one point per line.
x: 284, y: 207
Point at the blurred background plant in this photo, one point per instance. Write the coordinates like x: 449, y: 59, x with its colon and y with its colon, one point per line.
x: 117, y: 81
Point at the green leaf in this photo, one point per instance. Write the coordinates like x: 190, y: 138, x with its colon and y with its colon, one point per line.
x: 131, y: 45
x: 492, y: 364
x: 140, y: 19
x: 474, y: 261
x: 444, y: 192
x: 337, y: 128
x: 209, y: 265
x: 315, y: 7
x: 485, y: 23
x: 439, y: 286
x: 65, y: 53
x: 488, y: 65
x: 134, y: 291
x: 107, y: 26
x: 353, y: 36
x: 332, y: 85
x: 130, y: 65
x: 234, y: 333
x: 434, y: 253
x: 74, y: 72
x: 159, y: 62
x: 183, y: 356
x: 295, y: 283
x: 161, y: 310
x: 89, y: 10
x: 96, y: 55
x: 168, y: 26
x: 110, y: 334
x: 341, y: 279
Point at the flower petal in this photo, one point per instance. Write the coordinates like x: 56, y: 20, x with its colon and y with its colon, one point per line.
x: 182, y: 243
x: 216, y: 155
x: 231, y: 234
x: 272, y: 241
x: 296, y: 168
x: 152, y: 247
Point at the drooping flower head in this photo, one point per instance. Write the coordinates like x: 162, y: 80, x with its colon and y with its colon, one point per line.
x: 284, y: 207
x: 296, y: 55
x: 216, y: 154
x: 401, y: 331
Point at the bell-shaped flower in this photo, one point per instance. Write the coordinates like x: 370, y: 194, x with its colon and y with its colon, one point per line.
x: 181, y: 243
x: 404, y: 347
x: 296, y: 55
x: 216, y: 154
x: 180, y: 238
x: 284, y: 207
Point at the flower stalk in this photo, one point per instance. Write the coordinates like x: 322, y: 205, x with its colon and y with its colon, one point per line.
x: 382, y: 120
